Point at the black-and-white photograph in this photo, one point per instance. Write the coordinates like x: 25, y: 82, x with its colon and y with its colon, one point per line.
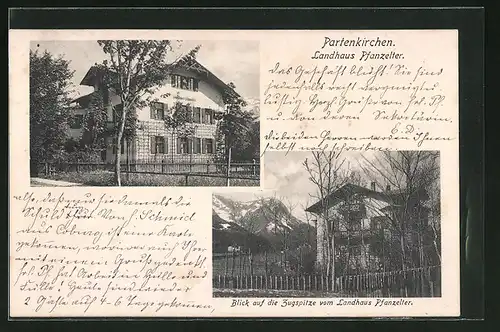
x: 356, y: 224
x: 144, y: 113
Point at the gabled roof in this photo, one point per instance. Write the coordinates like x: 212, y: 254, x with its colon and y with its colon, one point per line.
x: 187, y: 62
x: 191, y: 64
x: 340, y: 194
x: 85, y: 98
x: 390, y: 197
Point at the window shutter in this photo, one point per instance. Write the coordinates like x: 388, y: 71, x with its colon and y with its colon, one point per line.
x: 203, y: 145
x: 178, y: 139
x: 190, y: 145
x: 165, y: 109
x: 213, y: 145
x: 172, y: 80
x: 165, y: 145
x: 195, y: 83
x: 152, y: 144
x: 152, y: 111
x: 212, y: 118
x: 198, y: 145
x: 203, y: 115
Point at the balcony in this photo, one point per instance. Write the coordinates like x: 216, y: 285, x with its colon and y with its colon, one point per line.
x: 353, y: 236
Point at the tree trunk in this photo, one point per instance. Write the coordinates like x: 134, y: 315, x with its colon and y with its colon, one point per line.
x: 434, y: 241
x: 333, y: 259
x: 121, y: 129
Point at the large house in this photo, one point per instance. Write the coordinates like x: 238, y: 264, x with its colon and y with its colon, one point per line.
x: 367, y: 227
x: 188, y: 84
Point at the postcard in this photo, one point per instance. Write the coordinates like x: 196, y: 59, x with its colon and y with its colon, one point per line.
x: 234, y: 173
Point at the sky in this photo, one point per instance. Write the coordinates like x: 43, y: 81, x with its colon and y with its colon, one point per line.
x: 290, y: 180
x: 231, y: 61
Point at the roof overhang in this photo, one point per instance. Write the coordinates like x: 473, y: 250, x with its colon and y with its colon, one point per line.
x: 338, y: 195
x: 191, y: 64
x: 187, y: 62
x: 84, y: 99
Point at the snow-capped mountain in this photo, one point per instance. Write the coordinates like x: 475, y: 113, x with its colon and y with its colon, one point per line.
x: 257, y: 216
x: 253, y: 105
x: 264, y: 221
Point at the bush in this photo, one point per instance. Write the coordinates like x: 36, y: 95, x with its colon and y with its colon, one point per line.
x: 106, y: 178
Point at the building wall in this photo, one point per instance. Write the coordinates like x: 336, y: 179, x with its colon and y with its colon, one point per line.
x: 207, y: 96
x: 77, y: 133
x: 372, y: 208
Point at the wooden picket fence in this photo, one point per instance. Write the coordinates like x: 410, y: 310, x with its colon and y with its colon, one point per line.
x: 418, y: 282
x: 243, y: 170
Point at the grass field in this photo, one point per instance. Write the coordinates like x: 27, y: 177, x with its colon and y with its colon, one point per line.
x: 105, y: 178
x: 268, y: 293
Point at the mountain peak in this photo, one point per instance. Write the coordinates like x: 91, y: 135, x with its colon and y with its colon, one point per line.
x: 259, y: 223
x: 260, y: 215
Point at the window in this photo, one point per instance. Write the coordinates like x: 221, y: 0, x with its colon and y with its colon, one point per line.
x: 183, y: 82
x: 197, y: 115
x: 187, y: 110
x: 377, y: 223
x: 158, y: 111
x: 158, y: 145
x: 183, y: 146
x: 209, y: 116
x: 197, y: 145
x: 355, y: 221
x: 208, y: 145
x: 77, y: 122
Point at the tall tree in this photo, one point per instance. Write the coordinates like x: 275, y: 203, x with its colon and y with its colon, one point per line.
x: 94, y: 124
x: 326, y: 172
x: 49, y: 106
x: 179, y: 120
x: 234, y: 127
x: 411, y: 180
x: 134, y: 71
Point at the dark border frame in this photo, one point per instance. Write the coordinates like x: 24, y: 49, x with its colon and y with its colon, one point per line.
x: 469, y: 22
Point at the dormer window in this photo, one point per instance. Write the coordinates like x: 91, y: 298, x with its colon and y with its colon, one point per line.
x: 184, y: 82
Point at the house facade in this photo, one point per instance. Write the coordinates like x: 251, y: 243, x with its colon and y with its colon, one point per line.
x: 188, y: 85
x: 367, y: 227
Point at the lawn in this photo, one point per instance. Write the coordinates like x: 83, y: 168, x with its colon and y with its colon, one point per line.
x: 105, y: 178
x: 217, y: 292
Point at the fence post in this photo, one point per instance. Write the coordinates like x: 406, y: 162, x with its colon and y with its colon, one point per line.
x: 46, y: 168
x: 253, y: 168
x: 128, y: 167
x: 186, y: 179
x: 250, y: 261
x: 265, y: 260
x: 191, y: 159
x: 208, y: 166
x: 78, y: 165
x: 163, y: 166
x: 232, y: 265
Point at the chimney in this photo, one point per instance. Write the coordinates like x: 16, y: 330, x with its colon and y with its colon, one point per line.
x: 373, y: 186
x: 388, y: 188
